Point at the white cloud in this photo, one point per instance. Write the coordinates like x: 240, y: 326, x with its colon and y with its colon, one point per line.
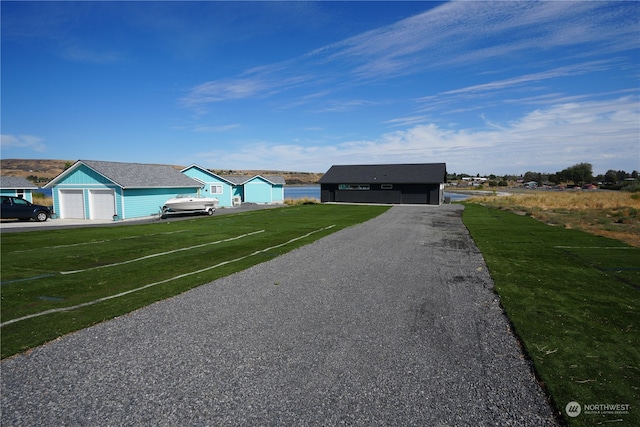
x: 603, y: 133
x: 29, y: 142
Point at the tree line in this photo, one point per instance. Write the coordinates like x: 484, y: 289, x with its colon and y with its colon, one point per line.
x: 578, y: 174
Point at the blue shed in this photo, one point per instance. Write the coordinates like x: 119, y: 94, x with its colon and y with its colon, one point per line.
x: 16, y: 186
x: 92, y: 189
x: 262, y: 189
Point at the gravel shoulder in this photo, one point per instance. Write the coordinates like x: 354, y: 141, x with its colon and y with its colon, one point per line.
x: 16, y: 226
x: 390, y: 322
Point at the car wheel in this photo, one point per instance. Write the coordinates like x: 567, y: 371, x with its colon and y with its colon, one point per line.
x: 41, y: 216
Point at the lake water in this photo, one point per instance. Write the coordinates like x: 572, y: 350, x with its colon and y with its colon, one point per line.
x: 301, y: 191
x: 313, y: 191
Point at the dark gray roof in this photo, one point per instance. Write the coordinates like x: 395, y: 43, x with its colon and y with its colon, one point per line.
x: 16, y: 182
x: 415, y: 173
x: 236, y: 179
x: 137, y: 175
x: 241, y: 179
x: 274, y: 179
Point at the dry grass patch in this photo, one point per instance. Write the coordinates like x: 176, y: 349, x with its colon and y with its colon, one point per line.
x: 613, y: 214
x: 41, y: 199
x: 302, y: 201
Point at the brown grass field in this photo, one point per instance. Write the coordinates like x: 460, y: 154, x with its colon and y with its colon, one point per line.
x: 614, y: 214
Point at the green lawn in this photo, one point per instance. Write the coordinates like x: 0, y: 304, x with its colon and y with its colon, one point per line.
x: 105, y: 272
x: 574, y: 301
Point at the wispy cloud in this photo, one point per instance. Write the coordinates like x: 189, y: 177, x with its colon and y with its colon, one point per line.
x: 545, y: 140
x: 224, y: 90
x: 571, y: 70
x: 513, y: 90
x: 29, y: 142
x: 406, y: 121
x: 77, y: 53
x: 455, y: 34
x: 342, y: 106
x: 216, y: 129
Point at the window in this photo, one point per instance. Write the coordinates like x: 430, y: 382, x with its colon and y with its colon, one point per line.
x: 386, y: 186
x: 216, y: 189
x: 353, y: 187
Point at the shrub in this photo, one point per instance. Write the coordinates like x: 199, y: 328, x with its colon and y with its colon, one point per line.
x: 632, y: 188
x: 302, y: 201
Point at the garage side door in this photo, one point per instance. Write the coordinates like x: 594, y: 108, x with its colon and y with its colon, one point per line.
x: 102, y: 204
x: 71, y: 204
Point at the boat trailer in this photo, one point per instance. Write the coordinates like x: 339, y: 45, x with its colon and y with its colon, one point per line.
x: 209, y: 210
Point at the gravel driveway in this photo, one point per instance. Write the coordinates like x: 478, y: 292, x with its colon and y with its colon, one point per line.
x: 390, y: 322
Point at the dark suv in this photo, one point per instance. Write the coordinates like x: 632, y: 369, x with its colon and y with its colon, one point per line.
x: 15, y: 207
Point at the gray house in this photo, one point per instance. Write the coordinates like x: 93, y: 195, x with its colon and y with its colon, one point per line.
x: 16, y: 186
x: 419, y: 183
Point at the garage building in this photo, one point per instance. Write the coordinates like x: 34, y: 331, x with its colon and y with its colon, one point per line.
x: 418, y: 183
x: 92, y: 189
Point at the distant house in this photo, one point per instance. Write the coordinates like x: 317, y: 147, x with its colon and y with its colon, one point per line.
x: 263, y: 189
x: 474, y: 181
x: 420, y: 183
x: 231, y: 189
x: 17, y: 186
x: 214, y: 186
x: 107, y: 190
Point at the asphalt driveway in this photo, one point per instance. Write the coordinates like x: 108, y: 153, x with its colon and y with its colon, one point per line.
x: 390, y: 322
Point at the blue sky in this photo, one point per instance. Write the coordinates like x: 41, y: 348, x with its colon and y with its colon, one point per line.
x: 501, y: 88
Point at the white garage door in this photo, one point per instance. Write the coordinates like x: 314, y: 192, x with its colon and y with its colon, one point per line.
x: 102, y: 203
x: 71, y: 204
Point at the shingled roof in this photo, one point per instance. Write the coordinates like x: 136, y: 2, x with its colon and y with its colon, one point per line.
x: 16, y: 182
x: 414, y: 173
x: 241, y: 179
x: 135, y: 175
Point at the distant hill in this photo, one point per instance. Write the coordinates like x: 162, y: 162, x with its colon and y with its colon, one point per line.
x: 43, y: 171
x: 291, y: 178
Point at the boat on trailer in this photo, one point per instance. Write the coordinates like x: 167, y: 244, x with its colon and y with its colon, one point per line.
x: 183, y: 203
